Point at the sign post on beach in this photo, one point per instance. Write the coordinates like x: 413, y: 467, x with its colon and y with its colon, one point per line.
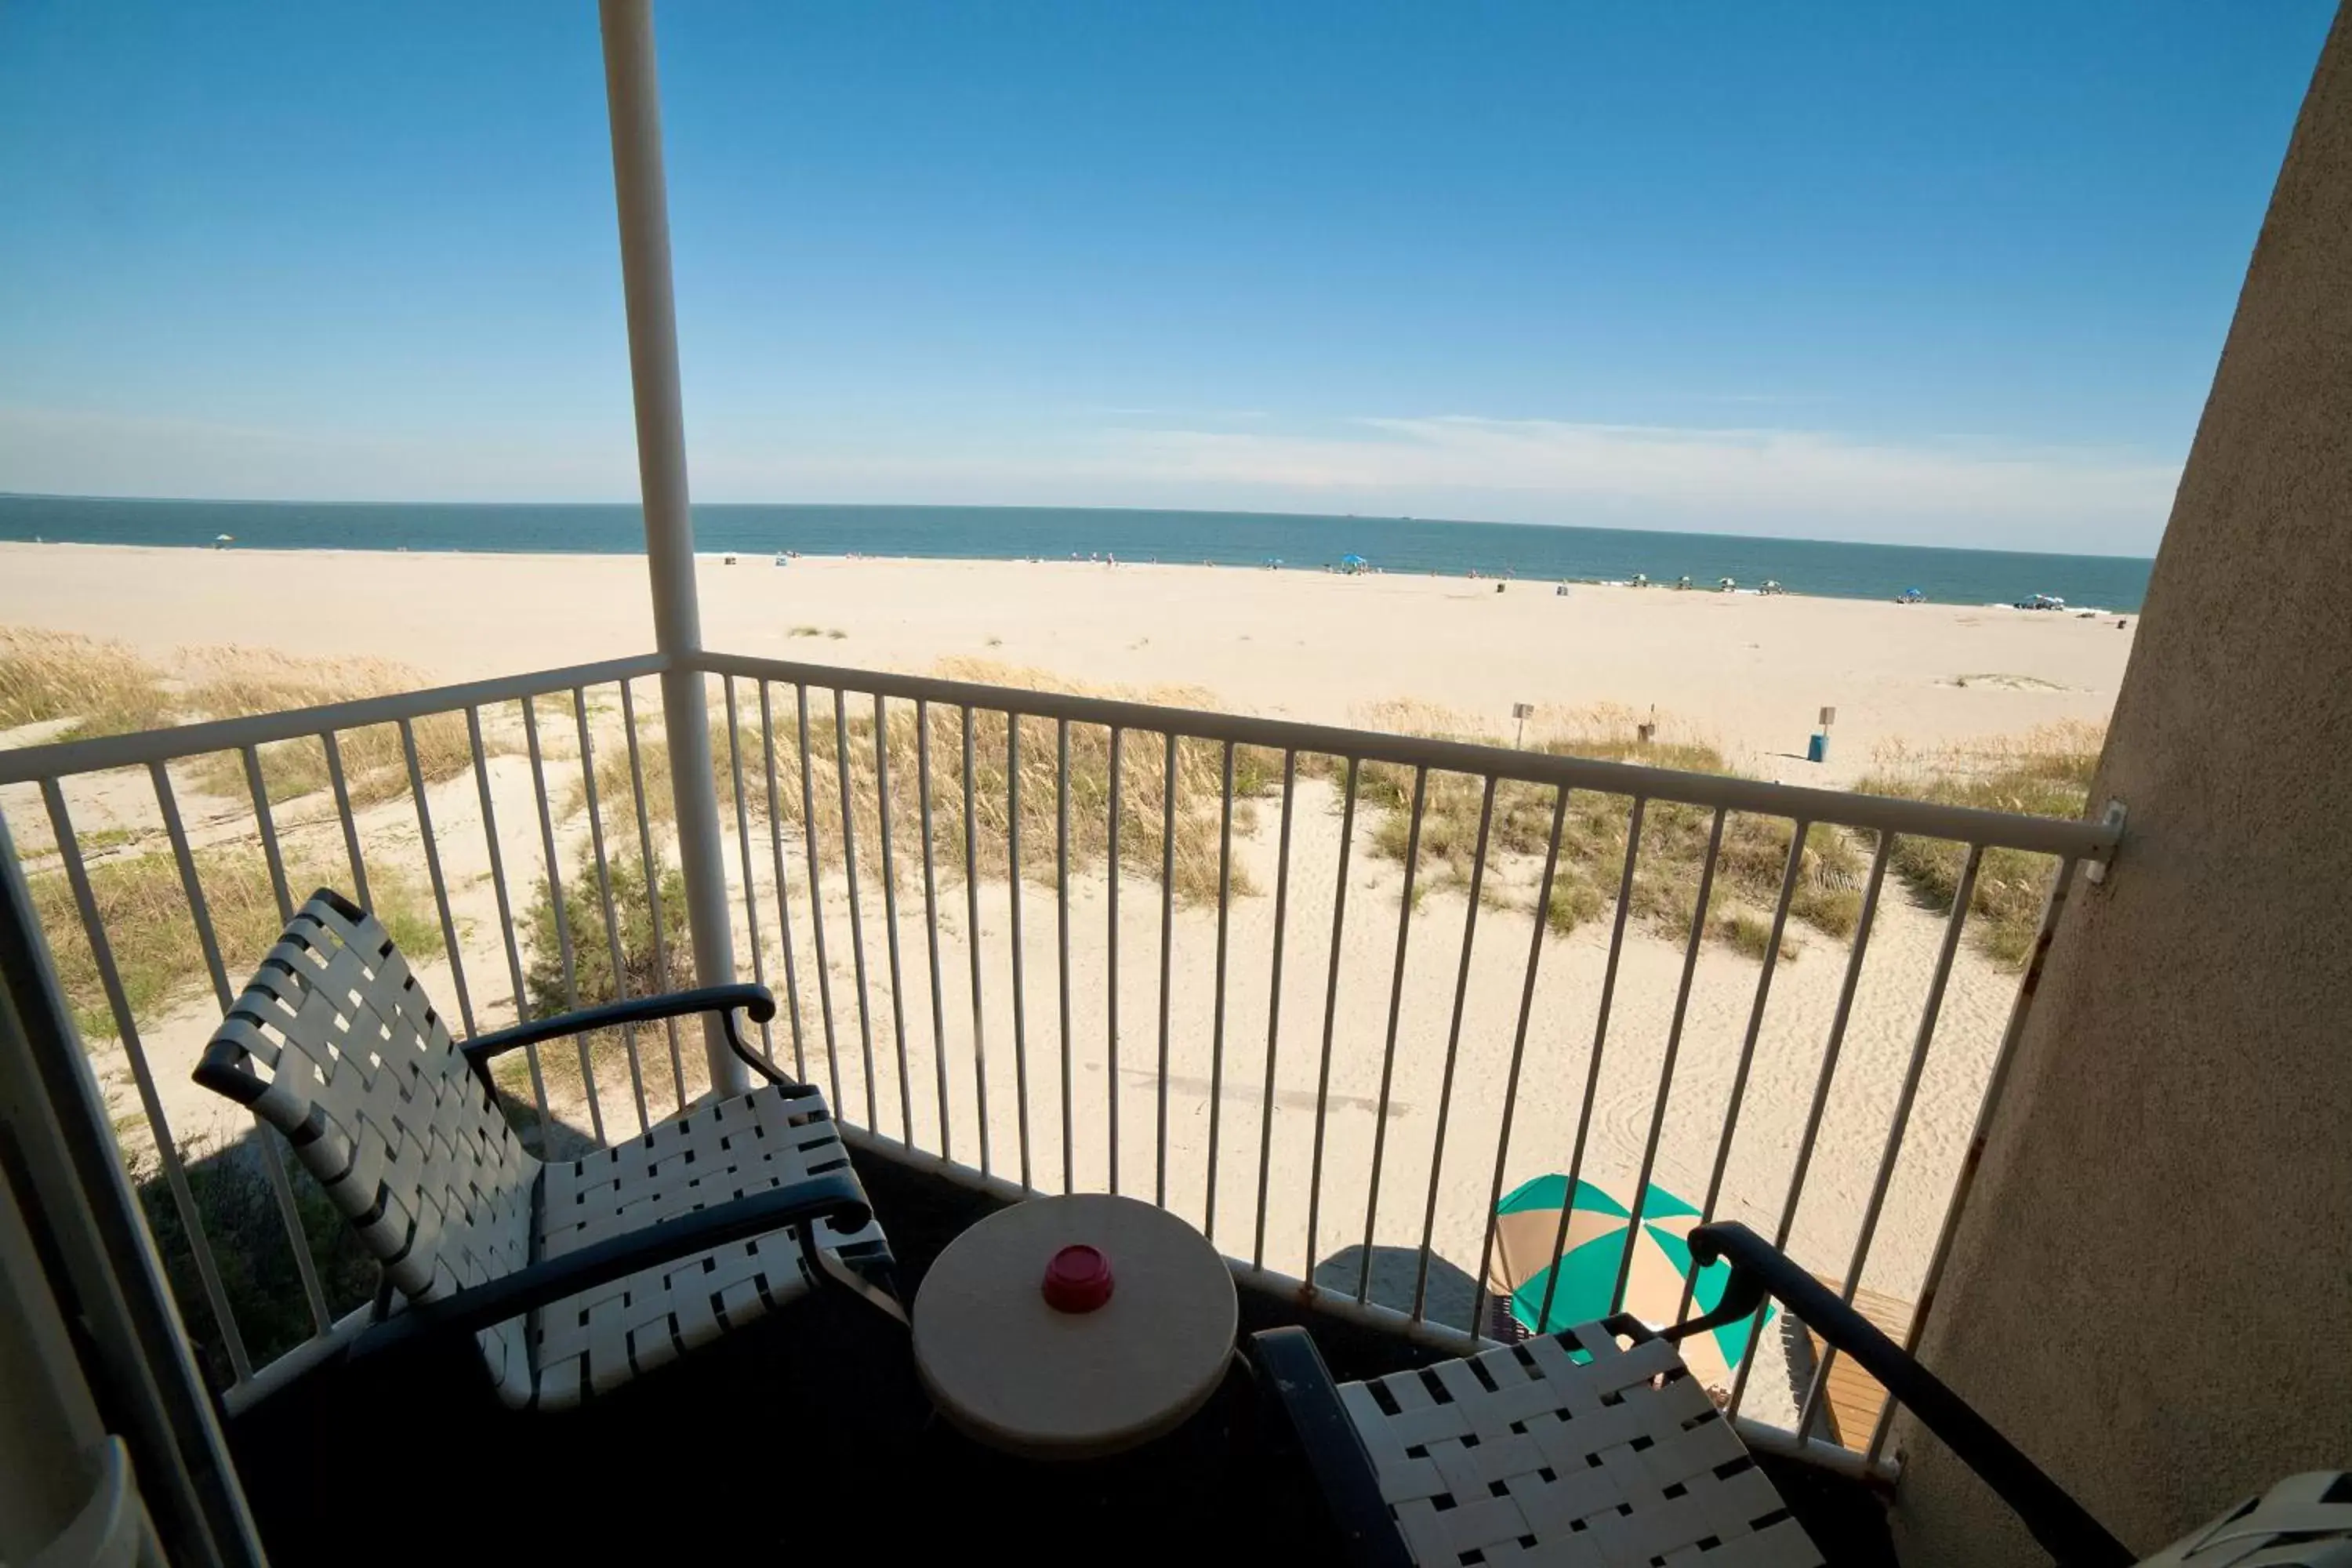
x: 1522, y: 711
x: 1818, y: 752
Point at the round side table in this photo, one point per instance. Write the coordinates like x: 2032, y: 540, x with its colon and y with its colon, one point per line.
x: 1090, y: 1375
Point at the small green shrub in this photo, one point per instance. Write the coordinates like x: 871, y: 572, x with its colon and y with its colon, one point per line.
x: 246, y: 1229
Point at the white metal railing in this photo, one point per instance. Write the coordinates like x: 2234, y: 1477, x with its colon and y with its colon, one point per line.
x: 1279, y: 1082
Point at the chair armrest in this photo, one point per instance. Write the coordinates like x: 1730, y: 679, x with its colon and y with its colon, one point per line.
x: 1299, y: 1388
x: 2064, y: 1529
x: 834, y: 1195
x: 756, y: 1000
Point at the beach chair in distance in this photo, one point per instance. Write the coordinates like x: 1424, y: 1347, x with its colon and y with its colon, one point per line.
x: 1600, y: 1434
x: 572, y: 1275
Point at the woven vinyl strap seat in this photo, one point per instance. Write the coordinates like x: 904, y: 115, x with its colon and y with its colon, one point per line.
x: 334, y: 1044
x: 2304, y: 1521
x: 1532, y: 1452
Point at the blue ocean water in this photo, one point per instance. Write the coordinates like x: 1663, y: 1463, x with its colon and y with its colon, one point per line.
x: 1230, y: 538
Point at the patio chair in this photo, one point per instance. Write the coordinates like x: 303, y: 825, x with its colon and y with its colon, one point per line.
x: 1597, y: 1444
x: 573, y: 1275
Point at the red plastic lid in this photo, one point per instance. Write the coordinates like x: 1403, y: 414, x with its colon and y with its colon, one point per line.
x: 1077, y: 1280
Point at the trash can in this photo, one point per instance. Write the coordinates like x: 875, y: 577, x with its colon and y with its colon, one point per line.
x: 1817, y: 749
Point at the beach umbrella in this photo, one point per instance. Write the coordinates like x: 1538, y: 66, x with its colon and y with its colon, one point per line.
x: 1527, y: 1224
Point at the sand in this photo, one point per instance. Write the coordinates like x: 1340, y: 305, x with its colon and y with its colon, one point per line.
x: 1749, y: 671
x: 1752, y: 670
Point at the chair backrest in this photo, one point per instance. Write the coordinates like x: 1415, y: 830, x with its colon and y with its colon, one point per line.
x: 334, y: 1043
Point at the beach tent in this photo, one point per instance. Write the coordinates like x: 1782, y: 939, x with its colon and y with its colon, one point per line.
x: 1352, y: 564
x: 1579, y: 1288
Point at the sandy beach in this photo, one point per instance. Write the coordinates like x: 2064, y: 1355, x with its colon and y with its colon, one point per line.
x: 1747, y: 671
x: 1753, y: 671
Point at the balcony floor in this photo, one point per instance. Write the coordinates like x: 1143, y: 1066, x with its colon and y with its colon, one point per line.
x: 806, y: 1433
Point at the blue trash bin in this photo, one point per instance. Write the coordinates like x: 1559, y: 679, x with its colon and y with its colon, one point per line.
x: 1817, y: 749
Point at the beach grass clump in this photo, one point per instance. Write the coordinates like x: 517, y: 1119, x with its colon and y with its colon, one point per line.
x: 2046, y: 771
x: 1751, y: 859
x: 238, y: 682
x: 152, y: 936
x: 845, y: 741
x: 103, y: 688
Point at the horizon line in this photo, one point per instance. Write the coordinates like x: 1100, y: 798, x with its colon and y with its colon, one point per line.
x: 637, y: 505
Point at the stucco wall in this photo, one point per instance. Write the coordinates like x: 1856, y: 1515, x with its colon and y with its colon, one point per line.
x: 2152, y: 1293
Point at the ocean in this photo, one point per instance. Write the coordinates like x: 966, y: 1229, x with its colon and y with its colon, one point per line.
x: 1011, y: 533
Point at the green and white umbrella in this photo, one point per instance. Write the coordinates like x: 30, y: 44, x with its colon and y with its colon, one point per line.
x: 1528, y: 1224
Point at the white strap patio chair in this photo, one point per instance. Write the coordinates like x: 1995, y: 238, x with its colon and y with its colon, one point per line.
x: 574, y: 1275
x: 1597, y: 1447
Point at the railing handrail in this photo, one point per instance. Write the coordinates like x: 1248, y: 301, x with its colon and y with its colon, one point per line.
x: 2089, y: 840
x: 60, y: 759
x: 2073, y: 840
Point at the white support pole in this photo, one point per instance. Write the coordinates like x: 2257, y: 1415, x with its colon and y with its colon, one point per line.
x: 633, y: 99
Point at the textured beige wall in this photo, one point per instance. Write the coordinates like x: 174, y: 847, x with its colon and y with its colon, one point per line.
x: 2152, y: 1293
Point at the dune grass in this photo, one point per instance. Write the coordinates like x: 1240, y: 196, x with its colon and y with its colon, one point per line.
x: 1143, y: 784
x: 153, y: 941
x: 1749, y: 863
x: 103, y: 687
x: 107, y: 689
x: 236, y: 682
x: 2045, y: 772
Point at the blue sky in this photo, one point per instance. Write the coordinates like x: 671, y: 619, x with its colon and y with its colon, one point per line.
x: 1955, y: 274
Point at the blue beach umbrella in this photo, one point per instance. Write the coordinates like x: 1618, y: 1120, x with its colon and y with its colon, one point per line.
x: 1528, y: 1224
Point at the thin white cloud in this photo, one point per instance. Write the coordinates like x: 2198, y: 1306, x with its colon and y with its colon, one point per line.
x: 1741, y: 479
x: 1822, y: 484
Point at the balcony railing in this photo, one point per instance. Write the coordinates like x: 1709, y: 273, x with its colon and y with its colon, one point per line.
x: 1326, y: 993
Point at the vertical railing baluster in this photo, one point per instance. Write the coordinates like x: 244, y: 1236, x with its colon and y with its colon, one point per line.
x: 931, y: 918
x: 751, y: 894
x: 605, y: 897
x: 1061, y: 938
x: 1963, y: 893
x: 1388, y: 1050
x: 563, y: 913
x: 1217, y: 1013
x: 1110, y: 964
x: 1167, y: 954
x: 506, y: 910
x: 1520, y: 1033
x: 432, y: 872
x: 1274, y: 1005
x: 1821, y: 1081
x: 971, y: 939
x: 856, y: 910
x: 1592, y: 1063
x: 816, y: 901
x: 783, y: 882
x: 1452, y: 1045
x: 175, y: 1175
x: 1012, y: 881
x: 1667, y: 1066
x: 268, y: 829
x: 270, y: 1148
x: 343, y: 815
x: 649, y: 862
x: 743, y: 852
x: 1789, y: 875
x: 1330, y: 1016
x: 890, y: 913
x: 1988, y: 1107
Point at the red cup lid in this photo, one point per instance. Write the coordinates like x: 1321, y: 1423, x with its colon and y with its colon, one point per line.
x: 1078, y: 1280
